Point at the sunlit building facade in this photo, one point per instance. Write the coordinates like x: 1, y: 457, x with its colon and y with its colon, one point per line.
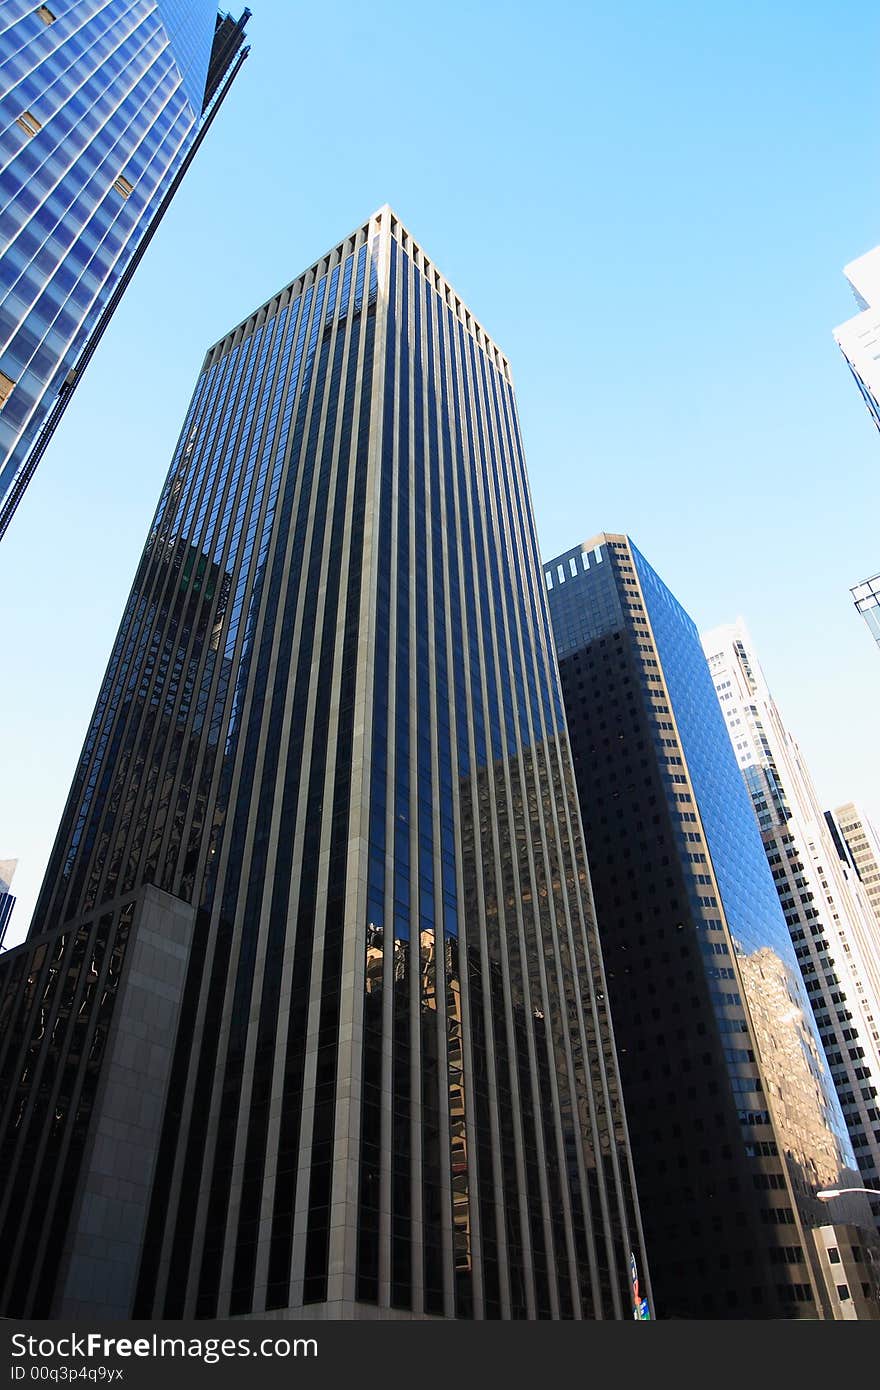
x: 734, y: 1121
x: 860, y: 335
x: 863, y: 843
x: 827, y: 909
x: 859, y: 341
x: 102, y: 106
x: 866, y: 597
x: 327, y: 800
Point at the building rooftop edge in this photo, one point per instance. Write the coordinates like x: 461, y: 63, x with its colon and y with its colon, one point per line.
x: 598, y: 539
x: 387, y: 221
x: 861, y: 285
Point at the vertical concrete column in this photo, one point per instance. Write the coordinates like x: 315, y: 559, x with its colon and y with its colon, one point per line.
x: 102, y: 1252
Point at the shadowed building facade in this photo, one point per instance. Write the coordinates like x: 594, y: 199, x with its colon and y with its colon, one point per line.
x: 102, y: 106
x: 327, y: 794
x: 734, y: 1121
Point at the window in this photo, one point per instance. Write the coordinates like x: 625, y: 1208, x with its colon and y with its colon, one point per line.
x: 46, y: 14
x: 834, y: 1254
x: 842, y: 1293
x: 123, y: 186
x: 6, y: 385
x: 29, y: 123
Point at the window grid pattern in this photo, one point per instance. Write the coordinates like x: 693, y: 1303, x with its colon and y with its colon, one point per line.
x: 113, y: 92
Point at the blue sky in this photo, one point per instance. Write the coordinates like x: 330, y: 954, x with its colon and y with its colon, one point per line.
x: 649, y: 208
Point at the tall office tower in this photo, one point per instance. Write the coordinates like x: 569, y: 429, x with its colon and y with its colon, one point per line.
x: 860, y: 335
x: 733, y: 1119
x: 863, y: 843
x: 7, y: 901
x: 827, y: 911
x: 863, y: 914
x: 866, y: 597
x: 322, y: 853
x: 103, y: 105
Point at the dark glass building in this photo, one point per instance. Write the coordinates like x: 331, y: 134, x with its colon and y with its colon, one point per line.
x: 102, y: 106
x: 734, y: 1120
x: 323, y: 850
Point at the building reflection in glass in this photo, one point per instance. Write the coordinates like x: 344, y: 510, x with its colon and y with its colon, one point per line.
x: 556, y: 1113
x: 733, y: 1118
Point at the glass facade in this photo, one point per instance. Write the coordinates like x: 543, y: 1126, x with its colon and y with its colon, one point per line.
x: 331, y: 723
x: 827, y: 915
x: 102, y: 101
x: 733, y: 1118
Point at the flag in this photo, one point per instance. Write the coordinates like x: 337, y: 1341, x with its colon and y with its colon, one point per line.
x: 641, y: 1311
x: 634, y: 1280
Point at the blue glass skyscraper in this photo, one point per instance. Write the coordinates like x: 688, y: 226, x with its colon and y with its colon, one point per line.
x: 734, y: 1120
x: 103, y: 105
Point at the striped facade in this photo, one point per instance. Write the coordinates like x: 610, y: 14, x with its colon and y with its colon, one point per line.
x: 332, y: 727
x: 102, y: 106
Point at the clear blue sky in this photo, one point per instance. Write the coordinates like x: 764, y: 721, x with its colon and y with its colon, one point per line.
x: 648, y: 206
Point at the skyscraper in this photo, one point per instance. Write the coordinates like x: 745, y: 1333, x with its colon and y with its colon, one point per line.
x: 734, y: 1122
x: 103, y: 105
x: 863, y: 843
x: 858, y: 337
x: 323, y: 849
x: 827, y: 912
x: 866, y: 597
